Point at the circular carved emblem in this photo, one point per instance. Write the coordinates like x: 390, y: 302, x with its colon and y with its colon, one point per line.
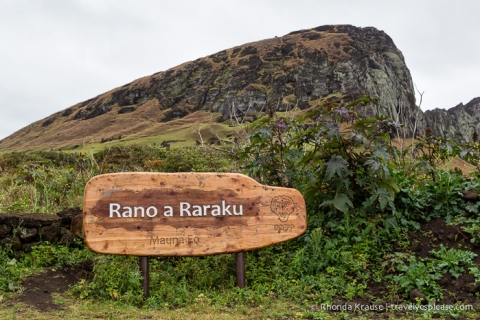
x: 282, y: 206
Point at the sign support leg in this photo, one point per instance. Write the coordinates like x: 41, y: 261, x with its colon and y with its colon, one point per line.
x: 240, y: 269
x: 144, y: 271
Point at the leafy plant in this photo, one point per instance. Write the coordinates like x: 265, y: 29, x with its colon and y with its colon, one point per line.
x: 52, y: 255
x: 434, y: 198
x: 338, y: 158
x: 418, y: 274
x: 423, y: 274
x: 454, y: 261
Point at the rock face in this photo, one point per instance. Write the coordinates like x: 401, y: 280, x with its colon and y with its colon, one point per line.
x: 457, y: 123
x: 299, y: 69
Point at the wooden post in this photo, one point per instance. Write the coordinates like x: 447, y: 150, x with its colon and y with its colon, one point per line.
x: 144, y: 271
x: 240, y: 269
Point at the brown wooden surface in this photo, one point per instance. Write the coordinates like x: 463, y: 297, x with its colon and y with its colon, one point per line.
x: 229, y: 212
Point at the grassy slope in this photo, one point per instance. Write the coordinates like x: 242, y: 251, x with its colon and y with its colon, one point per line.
x: 182, y: 136
x: 181, y: 133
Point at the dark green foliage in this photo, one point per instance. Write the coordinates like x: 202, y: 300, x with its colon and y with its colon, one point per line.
x: 423, y: 274
x: 10, y: 274
x: 58, y: 256
x: 417, y: 275
x: 433, y: 198
x: 336, y: 157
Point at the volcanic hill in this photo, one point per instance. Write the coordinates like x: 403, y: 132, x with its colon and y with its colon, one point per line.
x: 300, y: 70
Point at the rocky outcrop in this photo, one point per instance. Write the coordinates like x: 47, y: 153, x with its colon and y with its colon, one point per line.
x: 300, y: 69
x: 22, y: 231
x: 456, y: 123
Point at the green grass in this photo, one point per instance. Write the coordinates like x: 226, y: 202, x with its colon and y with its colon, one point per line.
x: 87, y: 309
x: 185, y: 137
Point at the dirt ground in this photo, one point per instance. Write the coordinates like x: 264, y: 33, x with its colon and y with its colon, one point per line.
x: 38, y: 289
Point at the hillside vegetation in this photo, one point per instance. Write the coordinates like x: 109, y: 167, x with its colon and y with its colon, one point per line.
x: 388, y: 223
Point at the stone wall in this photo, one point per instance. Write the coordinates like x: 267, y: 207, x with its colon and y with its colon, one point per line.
x: 25, y: 230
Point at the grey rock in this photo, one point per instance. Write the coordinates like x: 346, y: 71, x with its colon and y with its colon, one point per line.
x: 30, y: 220
x: 68, y: 213
x: 300, y: 69
x: 456, y: 123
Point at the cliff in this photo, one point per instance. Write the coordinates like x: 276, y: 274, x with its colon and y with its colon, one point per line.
x: 299, y: 69
x: 456, y: 123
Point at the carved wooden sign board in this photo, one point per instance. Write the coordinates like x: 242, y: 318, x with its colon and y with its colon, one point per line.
x: 187, y: 214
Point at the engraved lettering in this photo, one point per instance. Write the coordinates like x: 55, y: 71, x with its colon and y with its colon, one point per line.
x: 284, y: 227
x: 112, y: 210
x: 184, y: 208
x: 225, y: 209
x: 175, y: 241
x: 168, y: 211
x: 141, y: 209
x: 197, y: 211
x: 127, y: 213
x: 215, y: 210
x: 240, y: 212
x: 155, y: 211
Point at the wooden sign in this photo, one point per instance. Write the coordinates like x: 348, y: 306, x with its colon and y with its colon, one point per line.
x: 187, y: 214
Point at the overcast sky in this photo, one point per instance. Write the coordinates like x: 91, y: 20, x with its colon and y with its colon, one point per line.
x: 56, y: 53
